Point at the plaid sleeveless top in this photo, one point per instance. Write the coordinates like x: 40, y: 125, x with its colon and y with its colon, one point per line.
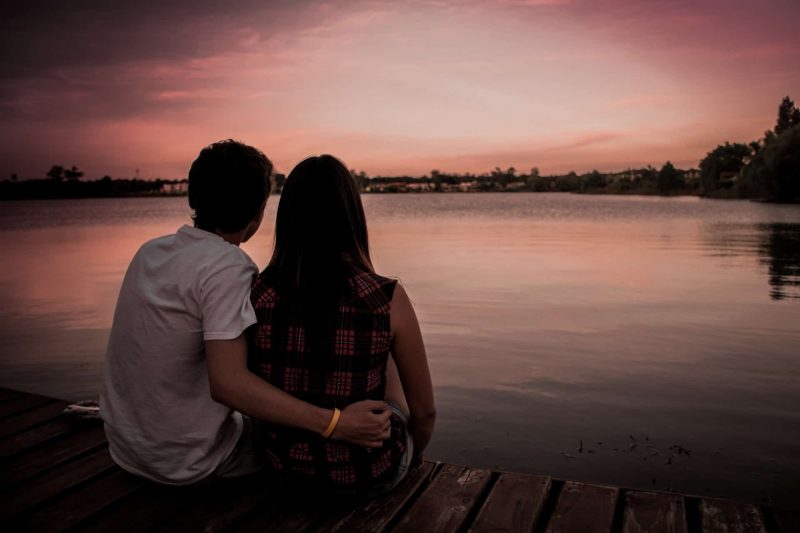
x: 354, y: 370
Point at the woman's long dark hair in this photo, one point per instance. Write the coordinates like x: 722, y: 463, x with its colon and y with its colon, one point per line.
x: 320, y: 239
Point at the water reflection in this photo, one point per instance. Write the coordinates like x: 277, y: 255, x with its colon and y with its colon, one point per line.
x: 776, y: 245
x: 550, y: 320
x: 780, y: 253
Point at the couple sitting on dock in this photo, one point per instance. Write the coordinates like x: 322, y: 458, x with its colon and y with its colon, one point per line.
x: 312, y: 372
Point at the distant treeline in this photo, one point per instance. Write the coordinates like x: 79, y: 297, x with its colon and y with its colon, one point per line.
x: 73, y: 187
x: 766, y: 169
x: 668, y: 181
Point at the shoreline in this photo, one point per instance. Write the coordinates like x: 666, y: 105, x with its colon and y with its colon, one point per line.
x: 417, y: 192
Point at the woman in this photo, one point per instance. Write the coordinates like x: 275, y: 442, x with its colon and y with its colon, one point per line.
x: 328, y: 327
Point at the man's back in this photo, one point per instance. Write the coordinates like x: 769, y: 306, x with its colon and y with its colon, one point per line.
x: 179, y: 291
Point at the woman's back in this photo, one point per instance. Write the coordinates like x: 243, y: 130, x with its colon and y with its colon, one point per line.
x: 332, y: 368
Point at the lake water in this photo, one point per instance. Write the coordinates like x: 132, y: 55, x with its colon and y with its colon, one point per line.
x: 586, y: 337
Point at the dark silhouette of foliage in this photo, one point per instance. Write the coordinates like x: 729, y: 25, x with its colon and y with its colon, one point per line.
x: 56, y: 173
x: 788, y: 116
x: 278, y: 180
x: 721, y: 165
x: 669, y: 179
x: 593, y: 181
x: 774, y: 172
x: 57, y: 187
x: 504, y: 177
x: 73, y: 173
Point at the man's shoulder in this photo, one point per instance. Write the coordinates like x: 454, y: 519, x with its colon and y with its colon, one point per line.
x: 211, y: 252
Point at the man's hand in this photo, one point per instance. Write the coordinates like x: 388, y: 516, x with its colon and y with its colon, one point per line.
x: 364, y: 423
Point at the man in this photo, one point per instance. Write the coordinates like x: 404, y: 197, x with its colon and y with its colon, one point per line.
x: 176, y: 381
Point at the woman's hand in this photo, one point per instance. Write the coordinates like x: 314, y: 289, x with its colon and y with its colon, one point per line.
x: 364, y: 423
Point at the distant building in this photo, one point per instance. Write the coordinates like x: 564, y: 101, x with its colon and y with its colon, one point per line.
x: 175, y: 187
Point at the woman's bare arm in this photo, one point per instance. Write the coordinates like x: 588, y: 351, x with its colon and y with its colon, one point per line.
x: 408, y: 352
x: 394, y: 387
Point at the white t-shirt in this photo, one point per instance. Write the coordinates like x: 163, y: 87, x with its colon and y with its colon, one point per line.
x: 160, y: 419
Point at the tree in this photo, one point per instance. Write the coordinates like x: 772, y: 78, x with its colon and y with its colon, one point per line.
x: 669, y: 179
x: 498, y: 177
x: 73, y: 173
x: 788, y: 116
x: 648, y: 178
x: 436, y: 178
x: 570, y: 182
x: 722, y: 162
x: 533, y: 181
x: 593, y: 180
x: 361, y: 178
x: 775, y: 170
x: 56, y: 173
x: 278, y: 180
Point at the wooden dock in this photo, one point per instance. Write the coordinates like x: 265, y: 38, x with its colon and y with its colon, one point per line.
x: 57, y: 475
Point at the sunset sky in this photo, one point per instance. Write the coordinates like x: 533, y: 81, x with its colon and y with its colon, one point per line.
x: 390, y: 87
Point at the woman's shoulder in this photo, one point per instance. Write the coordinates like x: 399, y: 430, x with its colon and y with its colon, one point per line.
x: 372, y: 289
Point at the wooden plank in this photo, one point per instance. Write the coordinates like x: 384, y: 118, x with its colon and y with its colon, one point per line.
x: 40, y: 489
x: 32, y: 418
x: 652, y: 511
x: 79, y: 505
x: 377, y: 514
x: 787, y: 520
x: 19, y: 405
x: 514, y: 504
x: 349, y: 514
x: 8, y: 394
x: 447, y: 501
x: 284, y: 513
x: 32, y: 462
x: 218, y: 506
x: 583, y: 507
x: 143, y: 510
x: 37, y: 435
x: 725, y: 516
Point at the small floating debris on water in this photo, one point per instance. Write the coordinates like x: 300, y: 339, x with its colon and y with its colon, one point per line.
x: 669, y: 460
x: 580, y: 446
x: 680, y: 450
x: 590, y: 450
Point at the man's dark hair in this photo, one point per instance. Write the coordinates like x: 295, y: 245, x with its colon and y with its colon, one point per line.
x: 228, y: 183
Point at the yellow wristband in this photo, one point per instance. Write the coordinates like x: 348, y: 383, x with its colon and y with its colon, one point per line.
x: 332, y: 426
